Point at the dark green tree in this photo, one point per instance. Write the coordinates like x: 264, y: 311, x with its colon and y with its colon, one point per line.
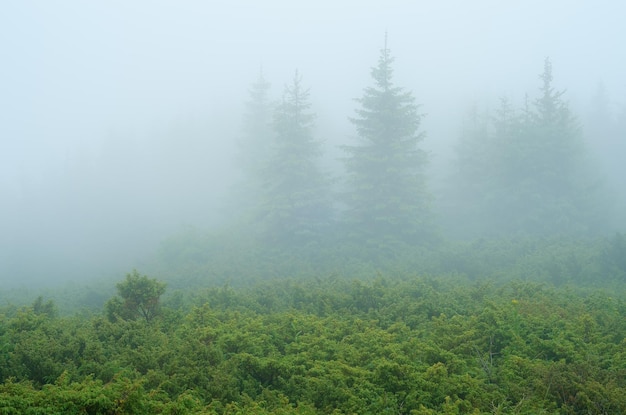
x: 295, y: 206
x: 137, y: 297
x: 386, y: 196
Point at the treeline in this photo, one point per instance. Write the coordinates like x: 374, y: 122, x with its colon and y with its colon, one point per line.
x: 195, y: 260
x: 398, y: 346
x: 289, y: 199
x: 199, y: 259
x: 521, y: 171
x: 528, y: 171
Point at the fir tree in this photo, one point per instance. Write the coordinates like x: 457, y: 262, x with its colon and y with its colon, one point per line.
x: 386, y: 197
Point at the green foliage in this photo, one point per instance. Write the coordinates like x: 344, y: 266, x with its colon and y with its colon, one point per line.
x: 386, y: 196
x: 330, y: 346
x: 48, y: 308
x: 138, y: 297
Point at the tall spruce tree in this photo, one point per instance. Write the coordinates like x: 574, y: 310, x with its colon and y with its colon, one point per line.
x: 295, y: 207
x: 386, y: 196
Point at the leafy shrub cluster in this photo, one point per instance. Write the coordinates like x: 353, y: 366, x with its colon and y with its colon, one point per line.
x: 415, y: 345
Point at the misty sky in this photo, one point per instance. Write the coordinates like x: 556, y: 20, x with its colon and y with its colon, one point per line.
x: 90, y: 90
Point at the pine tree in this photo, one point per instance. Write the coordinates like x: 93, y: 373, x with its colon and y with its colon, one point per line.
x: 386, y: 197
x: 295, y: 207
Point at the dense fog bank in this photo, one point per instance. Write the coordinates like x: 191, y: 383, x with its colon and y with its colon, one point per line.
x: 122, y: 124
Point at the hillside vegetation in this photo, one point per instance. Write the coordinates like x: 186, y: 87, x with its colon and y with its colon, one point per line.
x: 331, y: 345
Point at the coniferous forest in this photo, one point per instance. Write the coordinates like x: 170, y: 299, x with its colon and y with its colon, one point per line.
x: 365, y: 289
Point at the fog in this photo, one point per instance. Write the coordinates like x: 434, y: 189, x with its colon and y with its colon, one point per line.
x: 119, y: 120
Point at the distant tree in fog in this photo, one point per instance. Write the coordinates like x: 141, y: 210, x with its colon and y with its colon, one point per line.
x: 386, y: 196
x: 254, y: 146
x: 472, y: 183
x: 530, y: 171
x: 560, y: 188
x: 295, y: 201
x: 257, y: 126
x: 605, y: 132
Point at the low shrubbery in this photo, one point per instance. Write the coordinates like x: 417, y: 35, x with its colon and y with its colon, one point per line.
x: 414, y: 345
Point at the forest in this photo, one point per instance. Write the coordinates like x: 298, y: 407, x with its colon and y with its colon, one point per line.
x: 366, y: 289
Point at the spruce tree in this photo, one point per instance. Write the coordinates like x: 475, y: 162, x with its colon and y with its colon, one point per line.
x: 386, y: 197
x: 295, y: 206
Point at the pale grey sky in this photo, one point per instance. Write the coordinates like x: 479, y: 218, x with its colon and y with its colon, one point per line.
x: 73, y: 71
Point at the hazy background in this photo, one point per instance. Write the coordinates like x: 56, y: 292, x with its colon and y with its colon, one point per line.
x: 119, y: 119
